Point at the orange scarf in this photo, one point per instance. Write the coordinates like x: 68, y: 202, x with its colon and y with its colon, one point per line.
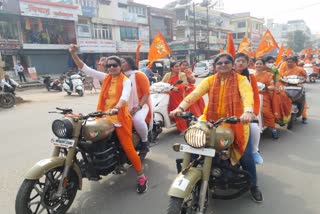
x: 123, y: 111
x: 232, y: 104
x: 256, y: 98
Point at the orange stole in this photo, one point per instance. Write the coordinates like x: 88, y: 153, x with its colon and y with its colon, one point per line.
x: 124, y: 116
x: 256, y: 98
x: 232, y: 107
x: 197, y: 108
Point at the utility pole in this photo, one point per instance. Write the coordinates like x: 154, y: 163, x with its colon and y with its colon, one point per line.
x: 208, y: 31
x: 194, y: 32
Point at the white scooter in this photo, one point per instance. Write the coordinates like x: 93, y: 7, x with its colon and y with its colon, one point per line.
x: 160, y: 101
x: 77, y: 84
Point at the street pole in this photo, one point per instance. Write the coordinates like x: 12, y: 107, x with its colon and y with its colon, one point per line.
x: 194, y: 32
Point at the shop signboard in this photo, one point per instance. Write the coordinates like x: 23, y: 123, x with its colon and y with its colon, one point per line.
x: 89, y: 11
x: 9, y: 6
x: 45, y: 47
x: 131, y: 47
x: 97, y: 46
x: 50, y: 9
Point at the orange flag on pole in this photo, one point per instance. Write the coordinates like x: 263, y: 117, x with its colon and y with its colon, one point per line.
x: 158, y: 49
x: 280, y: 53
x: 267, y: 44
x: 245, y: 47
x: 138, y: 53
x: 230, y: 45
x: 289, y: 52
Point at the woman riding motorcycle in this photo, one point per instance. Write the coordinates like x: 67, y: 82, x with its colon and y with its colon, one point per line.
x: 229, y: 94
x: 113, y: 99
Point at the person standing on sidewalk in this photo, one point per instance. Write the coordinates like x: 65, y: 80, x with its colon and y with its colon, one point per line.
x: 19, y: 70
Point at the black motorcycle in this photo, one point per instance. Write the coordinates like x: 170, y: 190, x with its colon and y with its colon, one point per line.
x: 296, y: 92
x: 52, y: 84
x: 7, y: 99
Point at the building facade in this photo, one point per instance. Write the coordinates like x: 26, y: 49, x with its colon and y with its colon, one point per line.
x: 47, y: 28
x: 246, y: 25
x: 10, y: 41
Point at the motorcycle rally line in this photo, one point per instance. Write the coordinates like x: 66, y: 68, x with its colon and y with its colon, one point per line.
x: 204, y: 171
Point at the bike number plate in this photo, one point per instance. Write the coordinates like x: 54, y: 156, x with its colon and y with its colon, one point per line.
x: 201, y: 151
x: 180, y: 183
x: 63, y: 143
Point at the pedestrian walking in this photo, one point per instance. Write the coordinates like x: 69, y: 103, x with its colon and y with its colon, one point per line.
x: 19, y: 70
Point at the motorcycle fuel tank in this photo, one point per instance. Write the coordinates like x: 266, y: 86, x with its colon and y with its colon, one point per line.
x: 224, y: 138
x: 97, y: 129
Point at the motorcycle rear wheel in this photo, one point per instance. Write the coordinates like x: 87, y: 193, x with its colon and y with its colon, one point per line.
x: 290, y: 123
x: 7, y: 100
x: 35, y: 196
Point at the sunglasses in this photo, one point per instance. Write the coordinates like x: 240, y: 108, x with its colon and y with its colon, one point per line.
x: 225, y: 62
x: 112, y: 65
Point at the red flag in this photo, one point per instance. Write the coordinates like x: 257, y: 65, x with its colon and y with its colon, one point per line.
x: 280, y: 53
x: 267, y: 44
x: 245, y: 47
x: 138, y: 53
x: 230, y: 45
x: 158, y: 49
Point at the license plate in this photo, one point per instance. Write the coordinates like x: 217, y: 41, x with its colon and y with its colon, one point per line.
x: 201, y: 151
x: 63, y: 143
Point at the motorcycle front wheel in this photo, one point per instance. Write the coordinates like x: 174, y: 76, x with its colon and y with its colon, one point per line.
x: 7, y: 100
x: 36, y: 196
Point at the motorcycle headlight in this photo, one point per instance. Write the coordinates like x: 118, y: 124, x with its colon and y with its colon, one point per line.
x: 62, y: 128
x: 196, y: 137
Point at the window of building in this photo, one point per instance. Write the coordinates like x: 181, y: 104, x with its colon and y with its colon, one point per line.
x: 234, y: 36
x: 129, y: 33
x: 140, y: 11
x: 240, y: 35
x: 8, y: 28
x: 102, y: 32
x: 241, y: 24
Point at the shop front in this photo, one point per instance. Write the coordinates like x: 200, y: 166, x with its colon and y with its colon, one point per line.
x: 48, y: 27
x: 10, y: 44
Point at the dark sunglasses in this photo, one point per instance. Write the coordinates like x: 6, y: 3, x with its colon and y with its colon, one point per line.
x: 112, y: 65
x: 225, y: 62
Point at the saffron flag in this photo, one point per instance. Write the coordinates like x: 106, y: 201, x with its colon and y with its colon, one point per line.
x: 158, y: 49
x: 230, y: 45
x: 138, y: 53
x: 289, y: 52
x: 267, y: 44
x: 308, y: 54
x: 245, y: 47
x: 280, y: 53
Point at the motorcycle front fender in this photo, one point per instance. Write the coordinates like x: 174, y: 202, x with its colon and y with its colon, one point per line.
x: 79, y: 88
x: 43, y: 166
x: 182, y: 186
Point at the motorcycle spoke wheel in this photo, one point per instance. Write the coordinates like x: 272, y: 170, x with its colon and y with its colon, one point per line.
x: 7, y: 100
x: 36, y: 196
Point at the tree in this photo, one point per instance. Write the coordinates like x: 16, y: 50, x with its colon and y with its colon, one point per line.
x: 298, y: 40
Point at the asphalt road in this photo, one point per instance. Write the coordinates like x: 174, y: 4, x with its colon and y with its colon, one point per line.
x: 289, y: 178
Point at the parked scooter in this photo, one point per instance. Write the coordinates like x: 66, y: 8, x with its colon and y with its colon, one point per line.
x: 86, y: 146
x: 52, y: 84
x: 311, y: 75
x: 74, y: 84
x: 160, y: 101
x: 296, y: 92
x: 206, y: 168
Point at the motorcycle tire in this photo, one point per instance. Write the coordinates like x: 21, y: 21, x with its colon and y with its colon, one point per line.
x: 7, y: 100
x: 25, y: 197
x: 175, y: 205
x: 69, y: 93
x: 60, y: 89
x: 290, y: 123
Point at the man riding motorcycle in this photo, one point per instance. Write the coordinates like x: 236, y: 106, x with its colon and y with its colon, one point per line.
x: 8, y: 84
x: 292, y: 68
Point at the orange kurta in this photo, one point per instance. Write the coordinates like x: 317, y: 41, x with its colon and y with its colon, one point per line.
x: 110, y: 94
x: 267, y: 111
x: 296, y: 70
